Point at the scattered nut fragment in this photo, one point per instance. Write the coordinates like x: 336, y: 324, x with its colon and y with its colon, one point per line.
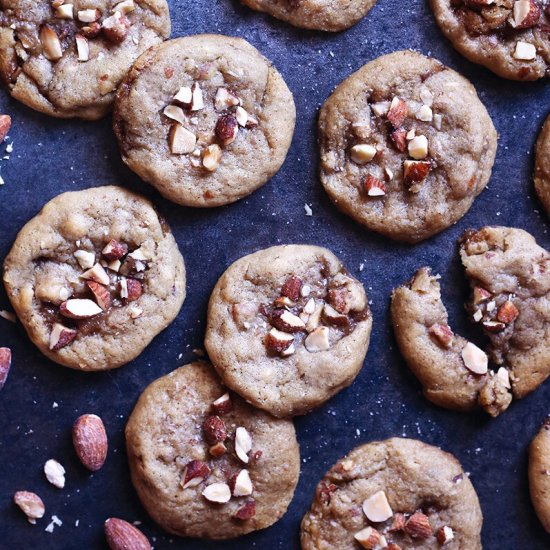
x: 243, y: 444
x: 242, y: 484
x: 475, y: 359
x: 65, y: 11
x: 444, y: 535
x: 51, y: 44
x: 97, y: 274
x: 31, y: 505
x: 493, y: 326
x: 284, y: 320
x: 82, y: 48
x: 418, y: 526
x: 415, y: 172
x: 217, y: 450
x: 122, y: 535
x: 418, y: 147
x: 93, y: 30
x: 242, y: 116
x: 182, y: 141
x: 211, y: 157
x: 126, y: 6
x: 197, y: 100
x: 368, y: 538
x: 116, y: 27
x: 79, y: 308
x: 85, y: 259
x: 425, y: 114
x: 507, y: 312
x: 291, y: 288
x: 504, y: 376
x: 5, y: 125
x: 362, y: 153
x: 176, y: 113
x: 223, y: 404
x: 278, y: 341
x: 399, y: 139
x: 227, y: 129
x: 55, y: 473
x: 184, y: 96
x: 194, y: 473
x: 334, y: 317
x: 246, y: 511
x: 90, y: 441
x: 525, y: 51
x: 61, y: 336
x: 214, y: 430
x: 377, y: 507
x: 374, y: 187
x: 101, y: 294
x: 225, y: 99
x: 398, y: 112
x: 89, y: 16
x: 318, y: 340
x: 5, y: 365
x: 481, y: 295
x: 114, y: 250
x: 526, y: 14
x: 398, y: 523
x: 217, y: 492
x: 443, y: 334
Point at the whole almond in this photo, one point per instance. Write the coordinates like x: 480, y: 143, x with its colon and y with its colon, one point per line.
x: 90, y: 441
x: 122, y: 535
x: 5, y: 364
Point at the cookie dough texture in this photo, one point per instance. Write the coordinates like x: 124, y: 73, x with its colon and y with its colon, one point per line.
x: 539, y: 480
x: 461, y: 140
x: 542, y: 166
x: 292, y: 385
x: 414, y: 476
x: 164, y: 433
x: 509, y: 264
x: 41, y: 266
x: 68, y: 87
x: 213, y: 62
x: 488, y: 35
x: 323, y: 15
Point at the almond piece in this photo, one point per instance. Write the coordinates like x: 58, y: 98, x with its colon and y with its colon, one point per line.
x: 65, y: 11
x: 291, y: 288
x: 242, y: 117
x: 91, y: 31
x: 79, y: 309
x: 318, y: 340
x: 368, y: 538
x: 97, y: 274
x: 444, y: 535
x: 5, y: 125
x: 51, y: 45
x: 90, y: 441
x: 475, y: 359
x: 242, y: 484
x: 101, y: 294
x: 526, y: 14
x: 114, y: 250
x: 31, y: 505
x: 55, y: 473
x: 214, y: 430
x: 211, y: 157
x: 418, y: 147
x: 399, y: 139
x: 243, y: 444
x: 176, y: 113
x: 195, y: 473
x: 197, y: 100
x: 217, y: 492
x: 374, y: 187
x: 82, y: 48
x: 425, y: 114
x: 494, y: 327
x: 5, y: 365
x: 85, y: 259
x: 362, y: 153
x: 278, y: 341
x: 115, y: 28
x: 134, y: 290
x: 225, y: 99
x: 286, y: 321
x: 398, y: 523
x: 525, y: 51
x: 314, y: 318
x: 416, y: 171
x: 122, y: 535
x: 334, y: 317
x: 377, y: 507
x: 481, y: 295
x: 443, y: 334
x: 504, y: 376
x: 181, y: 140
x: 217, y: 450
x: 61, y: 336
x: 227, y: 129
x: 89, y: 16
x: 184, y: 96
x: 507, y: 312
x: 223, y: 404
x: 246, y: 511
x: 418, y: 526
x: 398, y: 112
x: 124, y: 7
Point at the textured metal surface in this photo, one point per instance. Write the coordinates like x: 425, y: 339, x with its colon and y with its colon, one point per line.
x: 41, y: 400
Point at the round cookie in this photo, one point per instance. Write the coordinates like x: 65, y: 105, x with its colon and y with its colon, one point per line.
x: 508, y: 37
x: 68, y: 61
x: 539, y: 480
x: 398, y: 492
x: 288, y: 328
x: 323, y: 15
x: 95, y: 277
x: 542, y: 166
x: 205, y: 119
x: 205, y: 463
x: 406, y: 146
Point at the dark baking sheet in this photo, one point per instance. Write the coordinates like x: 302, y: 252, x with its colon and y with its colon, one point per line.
x: 51, y: 156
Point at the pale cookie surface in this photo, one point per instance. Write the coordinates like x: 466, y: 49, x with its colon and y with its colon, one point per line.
x: 398, y: 492
x: 189, y: 442
x: 406, y: 146
x: 205, y: 119
x: 542, y: 166
x: 539, y: 470
x: 453, y: 374
x: 288, y: 327
x: 68, y: 61
x: 94, y: 277
x: 509, y: 37
x: 323, y: 15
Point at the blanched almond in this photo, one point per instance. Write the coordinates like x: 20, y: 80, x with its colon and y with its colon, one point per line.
x: 318, y: 340
x: 242, y: 485
x: 182, y: 141
x: 377, y: 507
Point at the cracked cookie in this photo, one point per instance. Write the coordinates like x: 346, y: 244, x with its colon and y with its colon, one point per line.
x: 406, y: 146
x: 542, y: 166
x: 394, y: 494
x: 539, y: 474
x: 205, y: 119
x: 509, y: 37
x: 67, y: 58
x: 288, y: 327
x: 95, y: 277
x: 205, y: 463
x: 323, y: 15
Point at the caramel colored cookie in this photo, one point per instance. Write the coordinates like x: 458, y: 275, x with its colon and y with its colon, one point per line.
x: 67, y: 61
x: 398, y: 493
x: 205, y: 119
x: 539, y: 478
x: 205, y: 463
x: 95, y: 277
x: 542, y: 166
x: 509, y: 37
x: 406, y: 146
x: 288, y: 327
x: 323, y: 15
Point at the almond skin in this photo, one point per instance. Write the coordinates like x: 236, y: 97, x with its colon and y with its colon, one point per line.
x: 5, y: 125
x: 90, y: 441
x: 122, y: 535
x: 5, y: 364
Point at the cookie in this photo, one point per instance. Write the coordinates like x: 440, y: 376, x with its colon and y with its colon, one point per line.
x: 406, y: 146
x: 542, y: 166
x: 453, y: 372
x: 510, y: 279
x: 322, y: 15
x: 205, y: 463
x: 68, y: 60
x: 95, y: 277
x: 205, y: 119
x: 539, y: 480
x: 287, y: 328
x: 398, y: 493
x: 508, y: 37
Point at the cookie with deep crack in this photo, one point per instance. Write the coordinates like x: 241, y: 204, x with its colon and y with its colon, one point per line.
x: 453, y: 372
x: 94, y: 277
x: 398, y: 493
x: 539, y: 478
x: 288, y: 327
x: 205, y: 119
x: 509, y: 37
x: 542, y: 166
x: 66, y: 59
x: 406, y: 146
x: 205, y: 463
x: 323, y: 15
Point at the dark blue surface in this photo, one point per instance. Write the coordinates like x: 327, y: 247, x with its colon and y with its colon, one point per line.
x: 51, y: 156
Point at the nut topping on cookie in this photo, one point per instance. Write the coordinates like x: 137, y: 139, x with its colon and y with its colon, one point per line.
x: 246, y: 511
x: 398, y: 112
x: 5, y: 365
x: 51, y: 44
x: 243, y: 444
x: 362, y: 153
x: 227, y: 129
x: 126, y: 6
x: 416, y: 171
x: 443, y: 334
x: 195, y: 473
x: 481, y: 295
x: 223, y: 404
x: 31, y: 505
x: 215, y: 430
x: 525, y: 51
x: 318, y: 340
x: 211, y: 157
x: 65, y: 11
x: 197, y: 99
x: 115, y: 28
x: 444, y: 535
x: 114, y: 250
x: 475, y: 359
x: 89, y: 15
x: 97, y: 274
x: 82, y: 47
x: 217, y: 492
x: 377, y: 507
x: 225, y: 99
x: 286, y: 321
x: 418, y: 526
x: 61, y: 336
x: 217, y: 450
x: 291, y: 288
x: 526, y: 14
x: 101, y: 294
x: 181, y: 140
x: 374, y: 187
x: 79, y: 309
x: 368, y: 538
x: 507, y: 312
x: 242, y: 484
x: 418, y: 147
x: 278, y: 341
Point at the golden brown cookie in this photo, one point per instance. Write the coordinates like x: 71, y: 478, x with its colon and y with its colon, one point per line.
x: 539, y: 474
x: 542, y: 166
